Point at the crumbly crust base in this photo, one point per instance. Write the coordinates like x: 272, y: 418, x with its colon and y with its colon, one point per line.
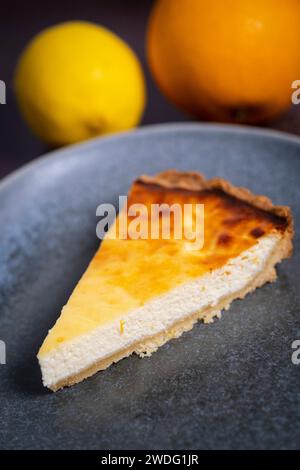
x: 195, y: 181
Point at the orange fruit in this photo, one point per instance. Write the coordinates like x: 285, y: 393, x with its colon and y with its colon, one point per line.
x: 226, y: 60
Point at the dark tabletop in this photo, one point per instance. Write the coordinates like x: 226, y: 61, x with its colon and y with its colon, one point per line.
x: 19, y: 21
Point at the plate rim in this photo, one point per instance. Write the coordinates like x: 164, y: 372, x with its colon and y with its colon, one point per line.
x: 166, y: 127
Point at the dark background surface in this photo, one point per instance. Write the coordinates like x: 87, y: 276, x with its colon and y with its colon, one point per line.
x: 19, y: 21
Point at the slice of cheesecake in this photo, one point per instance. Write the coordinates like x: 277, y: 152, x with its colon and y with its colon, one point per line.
x: 138, y: 293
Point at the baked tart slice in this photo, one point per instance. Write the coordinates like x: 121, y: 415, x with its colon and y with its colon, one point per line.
x: 141, y: 291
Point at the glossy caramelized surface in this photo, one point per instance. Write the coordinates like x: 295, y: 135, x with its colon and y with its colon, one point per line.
x: 126, y: 273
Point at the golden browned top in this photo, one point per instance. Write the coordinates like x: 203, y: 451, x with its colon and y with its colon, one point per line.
x: 196, y: 183
x: 232, y: 224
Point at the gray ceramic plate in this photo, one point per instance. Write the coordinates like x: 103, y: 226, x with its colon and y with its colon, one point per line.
x: 231, y: 384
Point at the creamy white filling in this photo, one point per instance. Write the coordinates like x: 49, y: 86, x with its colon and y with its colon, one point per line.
x: 158, y: 315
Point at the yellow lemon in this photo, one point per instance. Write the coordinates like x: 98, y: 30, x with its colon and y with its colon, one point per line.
x: 77, y: 80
